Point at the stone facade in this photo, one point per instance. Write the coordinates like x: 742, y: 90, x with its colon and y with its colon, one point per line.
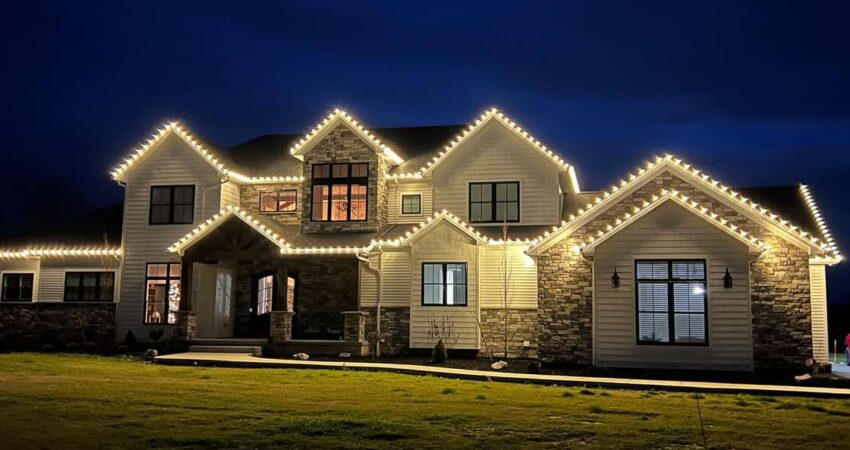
x: 249, y: 200
x: 780, y: 286
x: 395, y: 329
x: 522, y: 327
x: 343, y: 145
x: 355, y: 326
x: 29, y: 326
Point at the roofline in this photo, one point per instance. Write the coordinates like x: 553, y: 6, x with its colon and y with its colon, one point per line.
x: 334, y: 118
x: 219, y: 218
x: 58, y: 251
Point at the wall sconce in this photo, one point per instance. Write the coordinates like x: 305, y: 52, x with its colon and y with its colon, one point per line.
x: 727, y: 280
x: 615, y: 279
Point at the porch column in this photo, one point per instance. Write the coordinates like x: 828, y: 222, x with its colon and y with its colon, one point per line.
x: 354, y: 329
x: 281, y: 325
x: 186, y: 318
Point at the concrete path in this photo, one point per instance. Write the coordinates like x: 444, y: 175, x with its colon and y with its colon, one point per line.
x: 247, y: 360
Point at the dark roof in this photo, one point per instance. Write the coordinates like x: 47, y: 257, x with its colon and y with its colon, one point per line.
x: 96, y: 228
x: 786, y: 201
x: 417, y: 145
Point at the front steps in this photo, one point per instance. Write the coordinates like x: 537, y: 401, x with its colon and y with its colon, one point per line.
x: 312, y: 347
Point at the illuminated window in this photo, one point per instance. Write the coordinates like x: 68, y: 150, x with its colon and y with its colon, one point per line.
x: 172, y: 205
x: 265, y: 294
x: 279, y: 201
x: 671, y: 302
x: 494, y: 202
x: 340, y: 192
x: 17, y: 287
x: 162, y: 293
x: 444, y: 284
x: 89, y: 286
x: 411, y: 204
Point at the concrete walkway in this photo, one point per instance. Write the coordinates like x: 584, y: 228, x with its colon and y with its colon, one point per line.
x: 247, y: 360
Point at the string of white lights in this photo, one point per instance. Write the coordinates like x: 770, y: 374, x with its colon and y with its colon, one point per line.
x: 821, y: 223
x: 339, y: 114
x: 59, y: 251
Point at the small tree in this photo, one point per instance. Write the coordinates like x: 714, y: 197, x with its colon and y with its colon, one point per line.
x: 505, y: 273
x: 441, y: 331
x: 439, y: 355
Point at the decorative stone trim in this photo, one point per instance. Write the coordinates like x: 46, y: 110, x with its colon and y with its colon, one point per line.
x: 187, y: 323
x: 522, y: 328
x: 395, y: 329
x: 280, y: 323
x: 354, y: 326
x: 30, y: 326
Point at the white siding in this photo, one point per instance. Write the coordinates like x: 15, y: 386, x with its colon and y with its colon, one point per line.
x: 820, y: 339
x: 229, y: 194
x: 497, y: 154
x: 171, y: 163
x: 444, y: 243
x: 52, y: 280
x: 23, y: 265
x: 396, y: 273
x: 671, y: 232
x: 522, y: 277
x: 407, y: 187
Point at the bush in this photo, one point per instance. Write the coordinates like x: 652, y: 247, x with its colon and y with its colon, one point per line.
x: 92, y: 348
x: 130, y: 341
x: 269, y: 349
x: 122, y: 349
x: 156, y: 333
x: 48, y: 348
x: 176, y: 344
x: 439, y: 355
x: 72, y: 347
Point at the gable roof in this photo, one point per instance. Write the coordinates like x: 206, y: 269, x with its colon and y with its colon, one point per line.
x: 330, y: 122
x: 744, y: 205
x: 261, y: 225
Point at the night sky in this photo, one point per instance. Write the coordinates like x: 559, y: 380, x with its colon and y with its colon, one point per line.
x: 756, y: 95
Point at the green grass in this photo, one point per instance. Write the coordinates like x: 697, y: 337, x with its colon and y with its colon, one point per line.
x: 56, y: 401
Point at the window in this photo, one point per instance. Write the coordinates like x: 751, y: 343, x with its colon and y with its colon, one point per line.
x: 279, y: 201
x: 172, y: 205
x: 411, y: 204
x: 162, y: 293
x: 265, y: 294
x: 17, y: 287
x: 444, y: 284
x: 340, y: 192
x: 494, y: 202
x: 671, y: 302
x: 89, y: 286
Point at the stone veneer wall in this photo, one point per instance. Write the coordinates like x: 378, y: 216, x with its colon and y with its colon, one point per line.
x: 780, y: 296
x: 343, y: 145
x: 395, y: 329
x: 249, y: 200
x: 522, y: 326
x: 29, y: 326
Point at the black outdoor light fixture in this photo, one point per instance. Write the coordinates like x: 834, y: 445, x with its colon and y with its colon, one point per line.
x: 615, y: 279
x: 727, y: 279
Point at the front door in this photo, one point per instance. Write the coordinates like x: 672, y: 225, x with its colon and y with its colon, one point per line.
x: 223, y: 320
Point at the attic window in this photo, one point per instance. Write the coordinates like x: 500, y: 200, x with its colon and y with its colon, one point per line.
x: 411, y: 204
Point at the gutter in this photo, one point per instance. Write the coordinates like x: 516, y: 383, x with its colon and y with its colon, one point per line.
x: 364, y: 258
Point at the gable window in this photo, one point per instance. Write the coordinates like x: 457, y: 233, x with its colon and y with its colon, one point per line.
x: 172, y: 205
x: 17, y: 287
x: 162, y: 293
x: 265, y: 294
x: 411, y: 204
x: 279, y: 201
x: 494, y: 202
x: 671, y: 302
x: 340, y: 192
x: 89, y: 286
x: 444, y: 284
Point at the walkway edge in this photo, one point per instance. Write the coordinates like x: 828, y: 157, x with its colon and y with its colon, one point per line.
x: 249, y: 361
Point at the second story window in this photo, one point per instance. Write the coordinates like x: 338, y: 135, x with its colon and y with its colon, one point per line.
x: 279, y: 201
x: 172, y: 205
x: 340, y: 192
x: 494, y: 202
x: 411, y: 204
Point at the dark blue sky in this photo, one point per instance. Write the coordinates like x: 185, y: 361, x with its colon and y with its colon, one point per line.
x: 755, y: 94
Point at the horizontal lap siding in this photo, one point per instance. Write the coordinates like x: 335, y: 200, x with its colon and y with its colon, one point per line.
x: 820, y: 344
x: 497, y: 154
x: 522, y: 277
x: 444, y: 244
x: 396, y: 190
x: 24, y: 265
x: 396, y: 280
x: 670, y: 232
x: 172, y: 163
x: 229, y: 194
x: 52, y: 280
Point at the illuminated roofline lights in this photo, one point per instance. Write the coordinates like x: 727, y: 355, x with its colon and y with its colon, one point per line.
x: 343, y: 116
x: 59, y: 251
x: 220, y: 217
x: 821, y: 223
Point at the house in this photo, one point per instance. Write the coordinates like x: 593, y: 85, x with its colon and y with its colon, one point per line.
x: 350, y: 239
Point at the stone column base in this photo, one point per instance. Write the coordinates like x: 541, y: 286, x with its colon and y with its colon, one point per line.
x: 186, y: 324
x: 281, y: 326
x: 354, y: 329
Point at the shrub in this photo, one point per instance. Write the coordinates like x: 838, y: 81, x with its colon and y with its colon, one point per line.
x: 269, y: 349
x: 130, y: 341
x: 48, y: 348
x: 72, y: 347
x: 439, y: 355
x: 176, y: 344
x: 156, y: 333
x: 92, y: 348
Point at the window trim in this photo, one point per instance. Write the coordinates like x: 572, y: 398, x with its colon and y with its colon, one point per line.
x: 330, y: 181
x: 17, y: 272
x: 493, y: 201
x: 97, y: 293
x: 445, y: 290
x: 167, y: 278
x: 401, y: 202
x: 277, y: 210
x: 671, y: 310
x: 171, y: 204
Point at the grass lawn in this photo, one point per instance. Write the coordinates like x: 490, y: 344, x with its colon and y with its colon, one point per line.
x: 56, y: 401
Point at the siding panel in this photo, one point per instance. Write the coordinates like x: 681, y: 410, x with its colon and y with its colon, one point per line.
x: 820, y: 339
x: 522, y: 277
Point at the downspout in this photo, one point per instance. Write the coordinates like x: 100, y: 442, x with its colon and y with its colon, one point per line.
x: 377, y: 272
x: 204, y: 193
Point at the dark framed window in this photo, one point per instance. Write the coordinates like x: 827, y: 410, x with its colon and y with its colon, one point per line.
x: 17, y: 287
x: 671, y: 302
x: 494, y: 202
x: 172, y: 205
x: 265, y: 293
x: 340, y: 192
x: 89, y: 286
x: 279, y: 201
x: 444, y: 284
x: 162, y: 293
x: 411, y: 204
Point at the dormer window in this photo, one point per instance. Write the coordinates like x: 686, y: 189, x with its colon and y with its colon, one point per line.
x: 340, y: 192
x: 494, y: 202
